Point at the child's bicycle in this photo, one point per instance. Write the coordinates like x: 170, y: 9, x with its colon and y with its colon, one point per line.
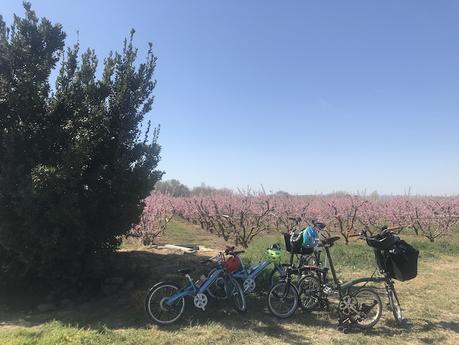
x: 358, y: 305
x: 165, y: 302
x: 249, y: 275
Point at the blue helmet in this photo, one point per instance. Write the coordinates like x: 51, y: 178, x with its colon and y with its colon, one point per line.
x: 309, y: 237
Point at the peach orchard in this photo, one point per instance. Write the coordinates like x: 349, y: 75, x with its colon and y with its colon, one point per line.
x: 240, y: 217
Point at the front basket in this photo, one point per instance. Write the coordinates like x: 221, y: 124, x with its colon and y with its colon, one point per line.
x: 296, y: 247
x: 402, y: 263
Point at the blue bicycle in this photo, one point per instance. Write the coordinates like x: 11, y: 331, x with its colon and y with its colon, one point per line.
x: 248, y: 275
x: 165, y: 302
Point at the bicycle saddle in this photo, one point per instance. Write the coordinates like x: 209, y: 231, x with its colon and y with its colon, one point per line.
x: 320, y: 225
x: 185, y: 270
x: 295, y: 219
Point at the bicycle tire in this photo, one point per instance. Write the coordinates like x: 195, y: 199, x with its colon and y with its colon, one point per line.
x: 279, y: 293
x: 235, y: 294
x: 308, y: 289
x: 149, y: 307
x: 395, y: 305
x: 356, y: 318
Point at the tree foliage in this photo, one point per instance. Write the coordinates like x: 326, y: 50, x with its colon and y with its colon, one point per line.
x: 75, y: 164
x: 241, y: 217
x: 172, y: 187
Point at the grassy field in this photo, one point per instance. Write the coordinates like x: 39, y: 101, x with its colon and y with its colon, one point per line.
x: 430, y: 303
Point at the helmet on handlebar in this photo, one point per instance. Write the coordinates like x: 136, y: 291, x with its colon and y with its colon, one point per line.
x: 232, y: 264
x: 310, y: 237
x: 273, y: 255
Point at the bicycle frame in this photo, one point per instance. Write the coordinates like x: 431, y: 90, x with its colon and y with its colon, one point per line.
x: 343, y: 288
x: 252, y: 272
x: 192, y: 290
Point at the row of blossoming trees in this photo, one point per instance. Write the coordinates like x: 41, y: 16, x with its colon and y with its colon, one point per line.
x: 241, y: 217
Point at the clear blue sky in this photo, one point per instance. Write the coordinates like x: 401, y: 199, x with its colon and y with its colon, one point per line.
x: 303, y: 96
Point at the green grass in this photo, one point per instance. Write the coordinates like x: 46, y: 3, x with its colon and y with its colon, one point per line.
x: 429, y: 302
x: 179, y: 232
x: 356, y: 255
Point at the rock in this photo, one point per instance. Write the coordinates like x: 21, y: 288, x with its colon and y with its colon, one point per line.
x: 205, y: 249
x: 182, y: 249
x: 45, y: 307
x: 189, y: 246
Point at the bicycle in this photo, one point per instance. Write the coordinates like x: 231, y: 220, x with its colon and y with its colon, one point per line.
x: 284, y: 294
x: 358, y: 305
x: 249, y: 275
x: 384, y: 246
x: 165, y: 302
x: 303, y: 257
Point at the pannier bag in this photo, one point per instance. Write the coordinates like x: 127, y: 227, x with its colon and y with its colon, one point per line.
x: 296, y: 247
x: 402, y: 261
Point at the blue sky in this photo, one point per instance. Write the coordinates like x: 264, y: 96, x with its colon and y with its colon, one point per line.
x: 301, y: 96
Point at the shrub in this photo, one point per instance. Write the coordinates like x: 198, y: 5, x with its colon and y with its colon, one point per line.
x: 73, y: 166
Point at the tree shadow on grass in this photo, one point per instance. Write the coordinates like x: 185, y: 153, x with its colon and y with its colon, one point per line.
x: 414, y: 325
x: 125, y: 308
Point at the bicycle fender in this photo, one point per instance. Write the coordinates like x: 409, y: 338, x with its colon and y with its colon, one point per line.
x: 163, y: 283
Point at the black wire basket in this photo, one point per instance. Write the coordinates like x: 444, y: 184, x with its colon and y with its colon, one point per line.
x: 296, y: 247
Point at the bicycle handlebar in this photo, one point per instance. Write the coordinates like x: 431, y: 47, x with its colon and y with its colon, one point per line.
x: 384, y: 230
x: 230, y: 251
x: 295, y: 219
x: 219, y: 258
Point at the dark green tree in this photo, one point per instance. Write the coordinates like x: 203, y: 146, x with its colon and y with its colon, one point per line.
x: 74, y: 163
x: 173, y: 188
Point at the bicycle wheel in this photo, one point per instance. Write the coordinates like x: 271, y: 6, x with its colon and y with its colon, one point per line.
x: 235, y: 293
x: 282, y: 300
x: 309, y: 290
x: 156, y: 308
x: 217, y: 288
x: 363, y: 308
x: 395, y: 305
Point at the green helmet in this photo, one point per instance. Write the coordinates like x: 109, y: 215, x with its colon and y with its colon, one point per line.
x: 273, y: 255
